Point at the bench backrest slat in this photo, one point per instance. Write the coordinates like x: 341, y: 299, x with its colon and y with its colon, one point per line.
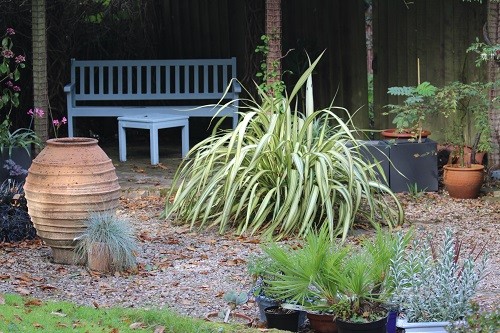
x: 115, y: 80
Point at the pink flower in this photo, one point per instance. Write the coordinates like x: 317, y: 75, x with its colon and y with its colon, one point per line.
x: 55, y: 122
x: 20, y: 59
x: 7, y: 53
x: 10, y: 31
x: 36, y: 113
x: 9, y: 84
x: 39, y: 112
x: 64, y: 120
x: 16, y: 88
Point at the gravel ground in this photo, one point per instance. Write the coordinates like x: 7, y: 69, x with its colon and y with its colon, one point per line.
x: 189, y: 271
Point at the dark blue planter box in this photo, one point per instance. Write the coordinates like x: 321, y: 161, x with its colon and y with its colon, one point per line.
x: 377, y: 151
x: 413, y: 163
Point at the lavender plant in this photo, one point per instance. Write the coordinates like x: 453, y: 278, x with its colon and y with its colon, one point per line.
x: 436, y: 284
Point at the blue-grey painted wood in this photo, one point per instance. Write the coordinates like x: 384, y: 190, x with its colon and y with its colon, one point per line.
x: 122, y: 84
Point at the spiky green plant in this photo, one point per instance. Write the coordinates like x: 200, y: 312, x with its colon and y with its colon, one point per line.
x: 279, y: 174
x: 116, y: 234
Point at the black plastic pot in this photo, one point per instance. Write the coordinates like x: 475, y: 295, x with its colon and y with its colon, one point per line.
x: 282, y: 319
x: 264, y: 302
x: 379, y: 326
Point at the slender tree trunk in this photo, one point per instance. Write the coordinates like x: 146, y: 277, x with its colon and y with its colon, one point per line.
x: 494, y: 75
x: 273, y: 31
x: 40, y: 86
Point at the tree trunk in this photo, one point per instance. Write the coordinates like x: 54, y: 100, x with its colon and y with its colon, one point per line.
x: 273, y: 31
x: 40, y: 86
x: 494, y: 76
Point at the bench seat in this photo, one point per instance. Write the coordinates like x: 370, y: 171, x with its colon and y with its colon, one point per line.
x: 187, y: 87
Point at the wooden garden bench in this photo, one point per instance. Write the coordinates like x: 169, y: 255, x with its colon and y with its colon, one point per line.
x: 117, y: 88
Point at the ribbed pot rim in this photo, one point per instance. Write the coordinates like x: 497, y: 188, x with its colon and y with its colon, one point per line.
x: 78, y: 141
x: 457, y: 167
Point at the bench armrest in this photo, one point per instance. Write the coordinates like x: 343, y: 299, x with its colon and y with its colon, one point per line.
x: 236, y: 87
x: 69, y: 87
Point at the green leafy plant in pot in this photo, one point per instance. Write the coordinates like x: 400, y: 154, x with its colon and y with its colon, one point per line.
x: 108, y: 243
x: 410, y: 115
x: 364, y: 283
x: 340, y: 281
x: 466, y: 105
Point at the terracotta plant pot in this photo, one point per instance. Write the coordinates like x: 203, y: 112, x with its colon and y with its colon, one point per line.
x: 99, y: 258
x: 393, y: 133
x: 462, y: 182
x: 70, y: 178
x: 234, y: 318
x: 322, y: 323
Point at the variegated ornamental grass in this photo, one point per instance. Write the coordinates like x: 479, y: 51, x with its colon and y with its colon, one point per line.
x: 282, y: 172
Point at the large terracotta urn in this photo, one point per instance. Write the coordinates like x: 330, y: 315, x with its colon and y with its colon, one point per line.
x: 68, y: 180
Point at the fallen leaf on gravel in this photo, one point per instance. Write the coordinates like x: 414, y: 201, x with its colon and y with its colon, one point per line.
x: 23, y: 291
x: 190, y: 248
x: 136, y: 326
x: 24, y: 277
x: 33, y: 302
x: 47, y: 287
x: 4, y: 277
x: 95, y: 304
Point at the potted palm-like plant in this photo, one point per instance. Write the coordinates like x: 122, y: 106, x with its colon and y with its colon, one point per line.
x: 466, y: 105
x: 365, y: 285
x: 344, y: 285
x: 434, y: 285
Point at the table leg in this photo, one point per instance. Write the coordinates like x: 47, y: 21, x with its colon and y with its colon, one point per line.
x: 122, y: 143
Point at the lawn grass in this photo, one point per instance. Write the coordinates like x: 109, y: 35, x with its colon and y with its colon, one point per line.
x: 20, y: 314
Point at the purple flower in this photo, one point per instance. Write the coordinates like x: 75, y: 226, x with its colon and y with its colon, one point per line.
x: 7, y: 53
x: 10, y: 31
x: 64, y: 120
x: 9, y: 84
x: 55, y: 122
x: 16, y: 88
x: 14, y: 168
x: 20, y: 59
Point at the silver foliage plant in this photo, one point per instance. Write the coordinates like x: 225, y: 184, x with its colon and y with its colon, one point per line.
x: 436, y: 284
x: 282, y: 171
x: 115, y: 233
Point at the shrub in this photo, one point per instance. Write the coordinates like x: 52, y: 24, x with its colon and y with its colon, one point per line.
x: 279, y: 172
x: 15, y: 223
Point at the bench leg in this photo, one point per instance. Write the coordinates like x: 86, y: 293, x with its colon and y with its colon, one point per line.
x: 122, y: 143
x: 185, y: 139
x: 153, y: 145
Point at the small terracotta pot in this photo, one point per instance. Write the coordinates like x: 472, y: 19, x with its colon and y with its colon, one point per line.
x: 214, y: 317
x: 462, y: 182
x: 393, y: 133
x: 99, y: 258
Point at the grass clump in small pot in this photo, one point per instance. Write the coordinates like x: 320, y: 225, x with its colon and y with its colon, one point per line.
x: 108, y: 244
